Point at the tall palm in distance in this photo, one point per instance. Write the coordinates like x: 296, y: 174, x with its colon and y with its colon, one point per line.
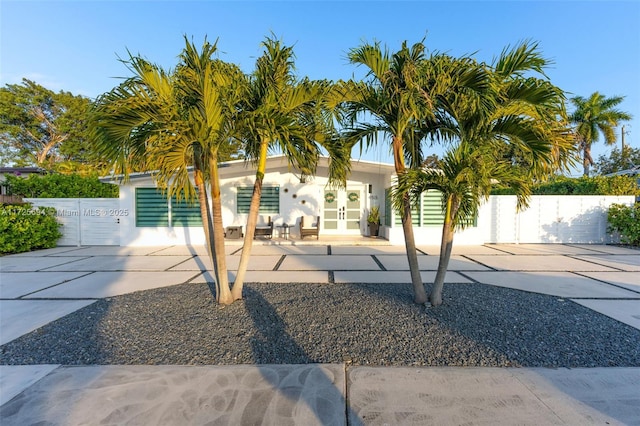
x: 592, y: 116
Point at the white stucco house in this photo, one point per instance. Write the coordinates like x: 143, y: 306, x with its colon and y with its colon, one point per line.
x: 287, y: 195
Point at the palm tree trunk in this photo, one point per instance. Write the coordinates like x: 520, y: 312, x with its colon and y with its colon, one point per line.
x: 419, y: 293
x: 446, y: 245
x: 223, y: 294
x: 205, y: 212
x: 252, y: 220
x: 587, y: 160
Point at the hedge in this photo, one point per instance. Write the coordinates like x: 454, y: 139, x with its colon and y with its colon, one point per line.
x: 597, y: 185
x: 59, y: 186
x: 25, y: 228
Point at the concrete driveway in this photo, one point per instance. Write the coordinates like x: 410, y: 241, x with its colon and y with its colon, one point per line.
x: 39, y: 287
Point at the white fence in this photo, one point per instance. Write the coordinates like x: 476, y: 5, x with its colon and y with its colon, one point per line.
x: 552, y: 219
x: 85, y: 221
x: 572, y: 219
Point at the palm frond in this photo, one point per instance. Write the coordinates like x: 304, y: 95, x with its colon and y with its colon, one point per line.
x: 373, y: 57
x: 520, y: 59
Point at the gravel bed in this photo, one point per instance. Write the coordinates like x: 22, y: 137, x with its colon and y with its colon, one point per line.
x: 361, y: 324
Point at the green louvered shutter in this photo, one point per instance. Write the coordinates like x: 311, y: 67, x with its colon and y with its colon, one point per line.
x: 152, y: 208
x: 415, y: 216
x: 387, y: 207
x: 185, y: 213
x: 269, y: 200
x: 430, y: 211
x: 432, y: 208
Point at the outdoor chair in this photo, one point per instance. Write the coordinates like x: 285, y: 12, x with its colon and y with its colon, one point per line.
x: 308, y: 227
x: 264, y: 227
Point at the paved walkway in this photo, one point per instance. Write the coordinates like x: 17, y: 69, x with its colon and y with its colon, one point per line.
x: 37, y: 288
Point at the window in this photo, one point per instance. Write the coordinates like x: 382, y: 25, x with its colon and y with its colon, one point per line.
x: 153, y: 209
x: 269, y: 199
x: 428, y: 212
x: 433, y: 214
x: 415, y: 214
x: 184, y: 213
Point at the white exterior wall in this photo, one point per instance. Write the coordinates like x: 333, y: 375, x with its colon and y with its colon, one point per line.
x: 131, y: 235
x: 432, y: 235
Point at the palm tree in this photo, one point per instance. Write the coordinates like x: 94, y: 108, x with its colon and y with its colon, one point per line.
x: 170, y: 122
x: 594, y: 116
x: 400, y: 93
x: 280, y: 112
x: 513, y: 133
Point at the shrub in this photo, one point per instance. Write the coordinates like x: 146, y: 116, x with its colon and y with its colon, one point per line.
x: 619, y: 185
x: 24, y: 228
x: 598, y: 185
x: 626, y: 221
x: 60, y: 186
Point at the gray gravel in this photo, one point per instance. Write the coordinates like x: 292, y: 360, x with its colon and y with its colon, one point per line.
x: 362, y: 324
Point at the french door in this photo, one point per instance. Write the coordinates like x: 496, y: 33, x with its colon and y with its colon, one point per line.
x: 342, y: 212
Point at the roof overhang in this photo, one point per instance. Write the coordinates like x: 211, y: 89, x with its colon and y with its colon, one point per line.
x: 633, y: 171
x: 238, y: 168
x: 22, y: 170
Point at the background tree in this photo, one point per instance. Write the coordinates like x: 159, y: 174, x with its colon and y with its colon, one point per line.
x: 593, y: 116
x: 514, y: 133
x: 279, y: 112
x: 398, y: 101
x: 41, y: 128
x: 432, y: 161
x: 169, y: 121
x: 618, y: 160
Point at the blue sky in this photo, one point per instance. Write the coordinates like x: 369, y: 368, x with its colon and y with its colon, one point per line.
x: 75, y: 45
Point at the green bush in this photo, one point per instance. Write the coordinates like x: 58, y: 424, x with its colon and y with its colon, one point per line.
x: 626, y: 221
x: 60, y: 186
x: 25, y: 228
x: 619, y: 185
x: 597, y: 185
